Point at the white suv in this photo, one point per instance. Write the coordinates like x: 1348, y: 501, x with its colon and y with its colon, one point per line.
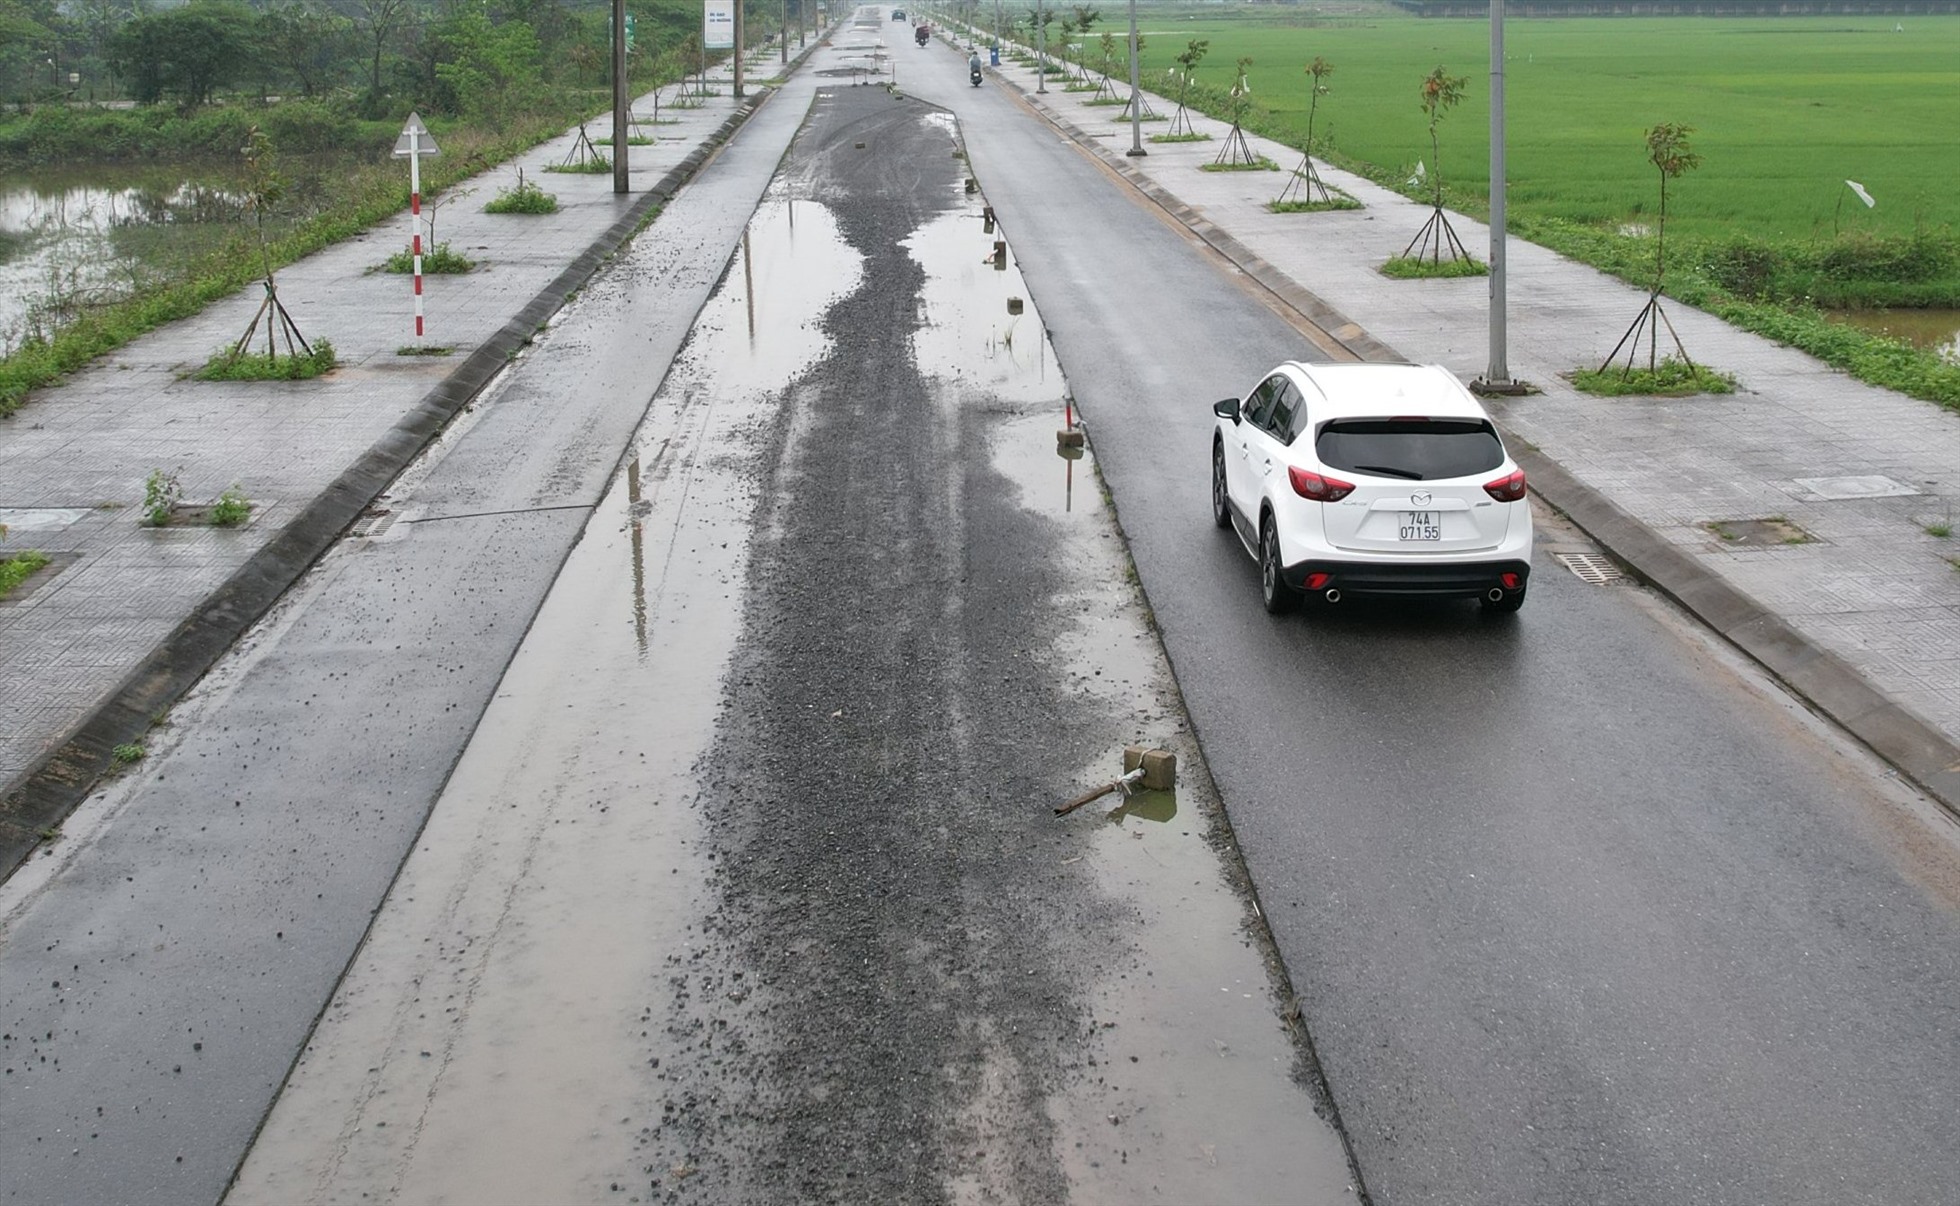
x: 1371, y: 479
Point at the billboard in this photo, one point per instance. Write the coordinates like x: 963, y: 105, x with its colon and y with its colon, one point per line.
x: 718, y: 24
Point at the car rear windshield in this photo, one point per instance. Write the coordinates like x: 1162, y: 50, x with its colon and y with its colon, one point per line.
x: 1414, y: 449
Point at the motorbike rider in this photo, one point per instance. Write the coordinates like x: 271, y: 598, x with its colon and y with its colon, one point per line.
x: 973, y: 66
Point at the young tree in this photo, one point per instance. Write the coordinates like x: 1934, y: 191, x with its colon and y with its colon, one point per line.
x: 263, y: 189
x: 1440, y: 92
x: 1668, y: 151
x: 1194, y: 50
x: 1237, y: 151
x: 1305, y: 178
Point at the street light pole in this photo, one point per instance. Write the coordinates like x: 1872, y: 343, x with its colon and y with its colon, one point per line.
x: 619, y: 98
x: 1040, y: 49
x: 1136, y: 103
x: 1497, y: 375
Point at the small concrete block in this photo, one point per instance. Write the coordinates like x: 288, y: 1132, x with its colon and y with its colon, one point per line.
x: 1159, y: 766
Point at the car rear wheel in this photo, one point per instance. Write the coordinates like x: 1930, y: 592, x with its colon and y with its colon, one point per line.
x: 1221, y: 508
x: 1507, y: 605
x: 1273, y: 590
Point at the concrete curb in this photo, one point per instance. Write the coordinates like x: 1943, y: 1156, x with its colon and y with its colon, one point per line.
x: 1826, y: 682
x: 53, y: 789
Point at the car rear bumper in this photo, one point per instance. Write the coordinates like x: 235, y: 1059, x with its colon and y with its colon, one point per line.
x: 1464, y: 579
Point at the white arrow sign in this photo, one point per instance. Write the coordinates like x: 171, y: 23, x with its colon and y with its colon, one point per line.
x: 416, y: 139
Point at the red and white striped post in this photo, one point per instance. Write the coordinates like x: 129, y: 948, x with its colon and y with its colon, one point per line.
x: 415, y: 142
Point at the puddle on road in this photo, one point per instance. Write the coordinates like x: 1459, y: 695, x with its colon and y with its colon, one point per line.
x: 969, y: 334
x: 1191, y: 1091
x: 532, y: 935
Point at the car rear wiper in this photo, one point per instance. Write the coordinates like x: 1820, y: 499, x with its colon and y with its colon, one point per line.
x: 1386, y: 471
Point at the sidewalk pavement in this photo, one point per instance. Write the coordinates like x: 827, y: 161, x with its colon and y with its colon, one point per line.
x: 1862, y: 619
x: 1844, y: 594
x: 97, y: 646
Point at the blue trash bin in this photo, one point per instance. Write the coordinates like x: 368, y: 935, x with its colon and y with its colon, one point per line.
x: 993, y: 55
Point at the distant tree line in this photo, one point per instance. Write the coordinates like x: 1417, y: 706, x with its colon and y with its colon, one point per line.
x: 1679, y: 8
x: 482, y: 58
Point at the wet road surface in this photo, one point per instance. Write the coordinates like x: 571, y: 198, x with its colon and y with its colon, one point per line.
x: 1579, y: 911
x: 749, y: 887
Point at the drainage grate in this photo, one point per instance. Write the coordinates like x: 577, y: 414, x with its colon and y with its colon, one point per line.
x: 1590, y: 567
x: 372, y: 522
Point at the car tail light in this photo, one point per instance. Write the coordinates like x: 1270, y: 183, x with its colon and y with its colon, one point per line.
x: 1317, y: 580
x: 1511, y: 581
x: 1507, y: 489
x: 1308, y: 484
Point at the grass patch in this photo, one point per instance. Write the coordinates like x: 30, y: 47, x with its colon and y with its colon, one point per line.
x: 441, y: 260
x: 1312, y: 207
x: 595, y: 166
x: 18, y: 568
x: 1261, y: 164
x: 409, y: 349
x: 523, y: 198
x: 633, y: 140
x: 127, y: 753
x: 1670, y: 378
x: 1414, y: 268
x: 225, y: 365
x: 1180, y: 138
x: 231, y: 509
x: 1940, y: 528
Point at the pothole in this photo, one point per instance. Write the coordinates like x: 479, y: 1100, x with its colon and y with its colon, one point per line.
x: 1771, y: 532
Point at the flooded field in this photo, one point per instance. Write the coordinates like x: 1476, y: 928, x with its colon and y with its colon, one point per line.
x: 1932, y: 330
x: 71, y: 238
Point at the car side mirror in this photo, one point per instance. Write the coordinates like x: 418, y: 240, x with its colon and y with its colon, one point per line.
x: 1227, y: 409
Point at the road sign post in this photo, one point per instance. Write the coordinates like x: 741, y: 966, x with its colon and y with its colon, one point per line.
x: 415, y: 142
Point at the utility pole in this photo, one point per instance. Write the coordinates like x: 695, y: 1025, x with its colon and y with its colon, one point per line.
x: 1497, y: 377
x: 1040, y: 50
x: 1136, y: 95
x: 739, y: 5
x: 784, y: 35
x: 619, y: 98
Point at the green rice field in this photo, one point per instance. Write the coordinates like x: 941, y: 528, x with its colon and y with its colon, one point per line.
x: 1784, y: 109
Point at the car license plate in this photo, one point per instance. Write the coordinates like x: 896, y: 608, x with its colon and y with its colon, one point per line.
x: 1421, y: 525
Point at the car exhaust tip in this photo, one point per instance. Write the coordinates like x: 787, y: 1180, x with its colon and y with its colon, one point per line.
x: 1332, y: 595
x: 1496, y: 594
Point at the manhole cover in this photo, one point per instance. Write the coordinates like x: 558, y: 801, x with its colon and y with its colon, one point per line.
x: 1833, y: 488
x: 1590, y: 567
x: 40, y: 519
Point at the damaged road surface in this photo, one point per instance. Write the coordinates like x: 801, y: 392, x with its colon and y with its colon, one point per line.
x: 748, y: 887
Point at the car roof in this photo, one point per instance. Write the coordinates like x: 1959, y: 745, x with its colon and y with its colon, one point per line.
x: 1348, y: 391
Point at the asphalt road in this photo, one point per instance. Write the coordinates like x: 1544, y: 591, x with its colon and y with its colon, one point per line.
x: 1576, y: 912
x: 164, y: 966
x: 749, y: 889
x: 1576, y: 909
x: 503, y: 903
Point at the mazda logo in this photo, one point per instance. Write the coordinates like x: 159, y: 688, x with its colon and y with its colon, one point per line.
x: 1420, y: 498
